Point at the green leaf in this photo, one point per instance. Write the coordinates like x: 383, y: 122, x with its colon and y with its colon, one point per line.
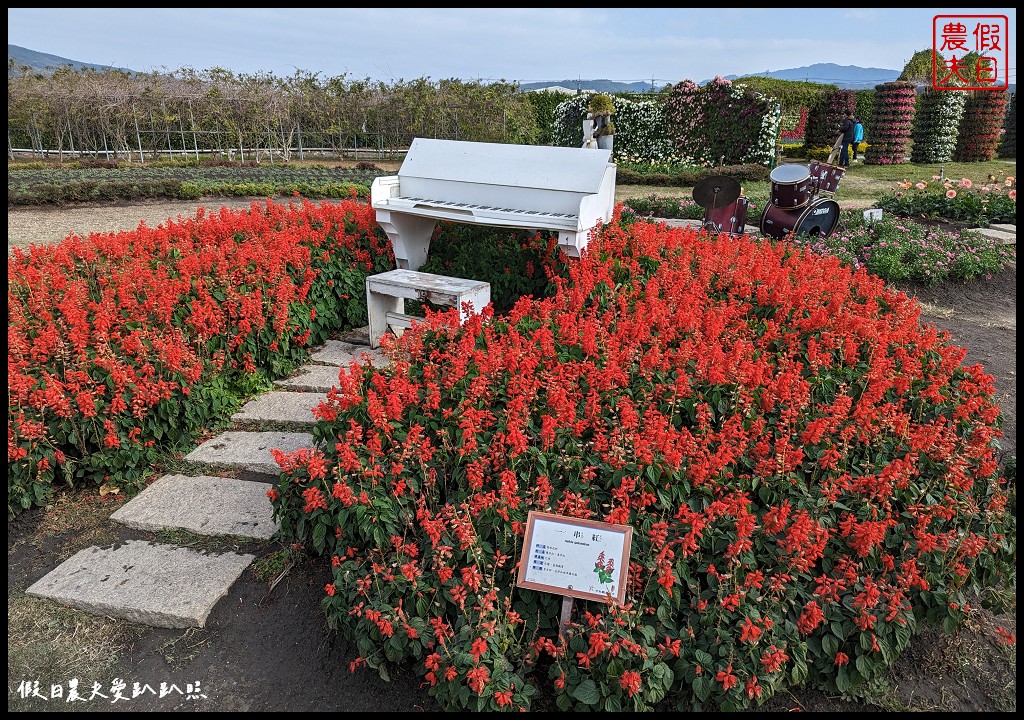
x: 843, y: 680
x: 864, y: 666
x: 902, y: 636
x: 702, y: 686
x: 586, y: 692
x: 393, y: 650
x: 888, y: 653
x: 799, y: 672
x: 319, y: 532
x: 665, y: 617
x: 830, y: 645
x: 664, y: 677
x: 865, y: 641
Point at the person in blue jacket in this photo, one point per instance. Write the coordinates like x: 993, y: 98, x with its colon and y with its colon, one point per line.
x: 858, y: 135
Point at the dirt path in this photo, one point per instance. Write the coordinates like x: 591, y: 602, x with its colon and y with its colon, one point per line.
x: 42, y: 224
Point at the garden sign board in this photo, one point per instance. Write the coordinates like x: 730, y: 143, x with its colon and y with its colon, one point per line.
x: 573, y: 557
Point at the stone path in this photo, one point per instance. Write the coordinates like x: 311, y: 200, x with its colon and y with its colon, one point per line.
x: 1005, y: 234
x: 177, y: 587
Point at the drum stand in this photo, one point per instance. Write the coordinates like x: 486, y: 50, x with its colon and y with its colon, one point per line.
x: 710, y: 226
x: 817, y: 193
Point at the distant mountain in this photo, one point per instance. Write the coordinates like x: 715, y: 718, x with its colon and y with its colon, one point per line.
x: 46, y: 63
x: 845, y: 77
x: 605, y: 86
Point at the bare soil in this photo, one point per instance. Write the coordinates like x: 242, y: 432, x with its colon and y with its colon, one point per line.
x: 266, y: 645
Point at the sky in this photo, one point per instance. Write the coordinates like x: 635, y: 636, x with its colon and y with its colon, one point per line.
x: 524, y: 45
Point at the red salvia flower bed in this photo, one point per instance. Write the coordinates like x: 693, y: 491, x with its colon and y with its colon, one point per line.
x: 809, y: 471
x: 124, y: 344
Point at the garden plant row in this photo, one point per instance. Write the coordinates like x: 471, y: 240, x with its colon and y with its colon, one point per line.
x: 38, y: 183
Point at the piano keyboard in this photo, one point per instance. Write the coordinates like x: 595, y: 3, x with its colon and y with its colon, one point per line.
x: 467, y: 207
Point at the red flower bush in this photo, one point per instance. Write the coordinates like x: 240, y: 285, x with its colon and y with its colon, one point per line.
x: 891, y: 123
x: 809, y: 470
x: 797, y: 131
x: 122, y: 345
x: 981, y: 126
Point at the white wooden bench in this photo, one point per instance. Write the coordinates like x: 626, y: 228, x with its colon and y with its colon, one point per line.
x: 386, y: 294
x: 568, y: 190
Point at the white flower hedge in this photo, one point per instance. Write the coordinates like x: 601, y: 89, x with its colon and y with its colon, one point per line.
x: 639, y: 129
x: 937, y: 125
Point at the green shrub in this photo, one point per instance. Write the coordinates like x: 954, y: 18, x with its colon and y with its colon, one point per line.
x: 664, y: 207
x: 684, y: 176
x: 820, y: 153
x: 183, y: 181
x: 516, y: 263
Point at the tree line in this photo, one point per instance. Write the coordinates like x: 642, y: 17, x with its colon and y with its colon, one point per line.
x: 122, y: 115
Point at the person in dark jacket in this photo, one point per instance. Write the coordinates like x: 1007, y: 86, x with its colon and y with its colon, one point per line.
x: 847, y: 128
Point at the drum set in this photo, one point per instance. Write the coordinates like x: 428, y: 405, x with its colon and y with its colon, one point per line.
x: 801, y: 202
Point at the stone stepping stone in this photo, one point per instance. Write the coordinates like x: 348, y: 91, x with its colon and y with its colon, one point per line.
x: 1002, y: 237
x: 281, y: 406
x: 159, y: 585
x: 357, y: 336
x: 249, y: 450
x: 676, y: 222
x: 342, y: 353
x: 696, y: 224
x: 313, y: 378
x: 203, y: 504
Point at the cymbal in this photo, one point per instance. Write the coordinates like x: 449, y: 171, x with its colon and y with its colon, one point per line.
x: 716, y: 191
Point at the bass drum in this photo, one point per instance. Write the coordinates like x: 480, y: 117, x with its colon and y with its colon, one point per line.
x: 791, y: 186
x: 818, y: 219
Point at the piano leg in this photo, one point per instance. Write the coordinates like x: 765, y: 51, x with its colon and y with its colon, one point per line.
x: 409, y: 236
x: 569, y: 242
